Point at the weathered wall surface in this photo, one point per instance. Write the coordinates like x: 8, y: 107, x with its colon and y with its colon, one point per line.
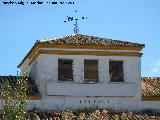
x: 101, y: 89
x: 47, y: 78
x: 60, y: 102
x: 77, y: 94
x: 150, y: 105
x: 24, y: 67
x: 48, y: 68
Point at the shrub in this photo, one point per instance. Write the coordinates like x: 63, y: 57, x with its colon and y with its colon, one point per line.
x: 14, y: 104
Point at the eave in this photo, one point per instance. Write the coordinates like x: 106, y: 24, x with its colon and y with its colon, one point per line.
x: 35, y: 49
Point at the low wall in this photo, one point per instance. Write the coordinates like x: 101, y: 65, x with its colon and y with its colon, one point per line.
x: 150, y: 103
x: 111, y: 103
x: 74, y: 89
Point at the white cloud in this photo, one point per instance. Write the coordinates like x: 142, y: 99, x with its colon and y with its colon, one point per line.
x: 155, y: 67
x: 155, y: 70
x: 157, y: 63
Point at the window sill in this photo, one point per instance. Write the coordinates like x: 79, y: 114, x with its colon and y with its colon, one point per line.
x: 65, y: 80
x: 119, y: 82
x: 77, y: 82
x: 90, y: 82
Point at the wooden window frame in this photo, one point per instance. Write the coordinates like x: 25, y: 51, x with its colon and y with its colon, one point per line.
x: 90, y: 80
x: 119, y: 74
x: 63, y: 71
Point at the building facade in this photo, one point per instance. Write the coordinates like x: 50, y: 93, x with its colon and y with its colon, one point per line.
x: 80, y: 71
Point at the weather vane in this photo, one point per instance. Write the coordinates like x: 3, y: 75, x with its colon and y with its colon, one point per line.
x: 75, y: 19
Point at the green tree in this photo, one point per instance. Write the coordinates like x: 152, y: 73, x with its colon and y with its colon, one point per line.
x: 14, y: 97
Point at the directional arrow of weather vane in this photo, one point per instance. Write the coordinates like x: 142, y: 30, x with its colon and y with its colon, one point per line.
x: 75, y: 19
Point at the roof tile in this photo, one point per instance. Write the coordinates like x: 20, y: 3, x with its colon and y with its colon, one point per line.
x: 150, y: 86
x: 79, y: 39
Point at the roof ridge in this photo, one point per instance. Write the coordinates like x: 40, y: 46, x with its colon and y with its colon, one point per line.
x: 54, y: 38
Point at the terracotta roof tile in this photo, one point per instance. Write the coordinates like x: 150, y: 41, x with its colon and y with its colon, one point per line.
x: 79, y: 39
x: 82, y: 40
x: 150, y: 86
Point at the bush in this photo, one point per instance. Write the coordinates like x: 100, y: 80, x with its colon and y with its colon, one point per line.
x: 14, y: 104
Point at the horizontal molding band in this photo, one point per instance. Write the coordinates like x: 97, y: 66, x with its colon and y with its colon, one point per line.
x: 97, y: 53
x: 151, y: 98
x: 100, y: 90
x: 33, y: 58
x: 37, y: 46
x: 34, y: 97
x: 42, y: 45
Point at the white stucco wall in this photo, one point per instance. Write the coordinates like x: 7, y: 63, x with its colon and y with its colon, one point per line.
x: 77, y: 94
x: 24, y: 67
x: 118, y: 96
x: 150, y: 105
x: 81, y: 102
x: 47, y: 73
x: 96, y: 90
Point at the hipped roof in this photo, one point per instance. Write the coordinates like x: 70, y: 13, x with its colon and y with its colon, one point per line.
x: 85, y: 41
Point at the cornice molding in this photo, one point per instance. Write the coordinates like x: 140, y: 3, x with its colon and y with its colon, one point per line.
x: 34, y: 52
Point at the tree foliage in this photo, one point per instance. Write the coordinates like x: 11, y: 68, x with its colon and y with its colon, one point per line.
x: 14, y: 104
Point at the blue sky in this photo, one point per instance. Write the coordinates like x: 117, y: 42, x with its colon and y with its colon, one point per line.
x: 130, y: 20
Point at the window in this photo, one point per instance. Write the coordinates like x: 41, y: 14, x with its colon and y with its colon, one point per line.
x: 91, y: 70
x: 116, y: 71
x: 65, y: 71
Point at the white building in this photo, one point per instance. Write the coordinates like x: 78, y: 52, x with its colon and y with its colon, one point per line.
x: 81, y: 71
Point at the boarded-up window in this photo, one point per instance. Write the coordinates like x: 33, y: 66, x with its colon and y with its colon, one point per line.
x: 65, y: 71
x: 91, y: 70
x: 116, y: 71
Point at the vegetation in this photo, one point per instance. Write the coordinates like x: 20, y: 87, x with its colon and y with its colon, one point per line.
x: 35, y: 114
x: 14, y: 104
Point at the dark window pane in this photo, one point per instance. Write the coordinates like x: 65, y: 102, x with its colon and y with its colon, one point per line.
x: 91, y: 70
x: 116, y: 71
x: 65, y: 71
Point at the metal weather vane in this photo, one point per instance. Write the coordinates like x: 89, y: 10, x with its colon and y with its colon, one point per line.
x: 75, y: 19
x: 76, y: 28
